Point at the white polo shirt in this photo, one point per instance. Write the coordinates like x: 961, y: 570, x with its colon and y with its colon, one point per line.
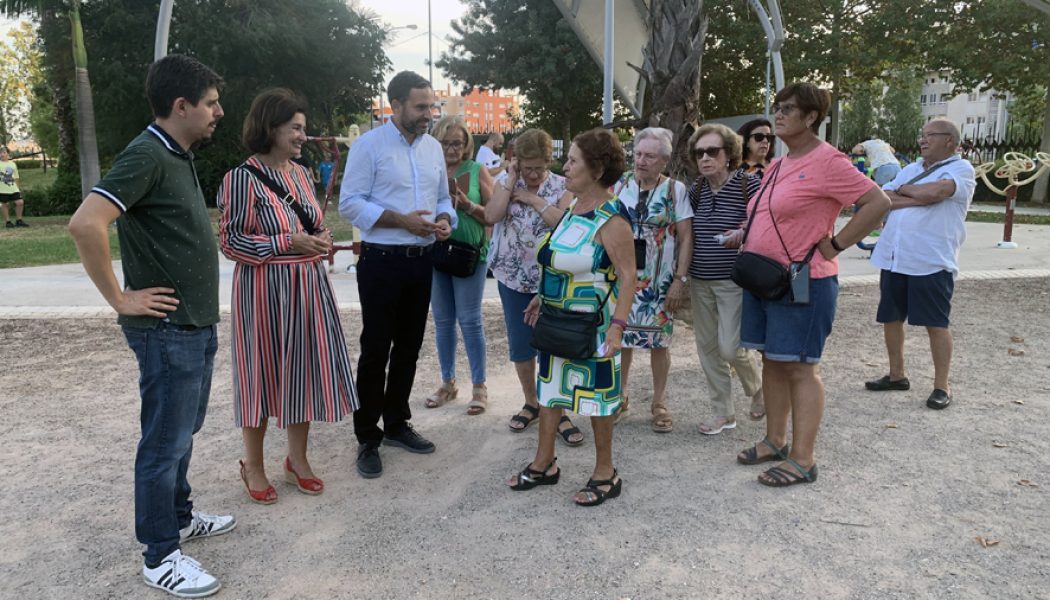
x: 922, y: 240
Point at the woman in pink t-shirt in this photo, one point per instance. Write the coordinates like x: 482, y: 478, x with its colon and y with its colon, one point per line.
x: 802, y: 194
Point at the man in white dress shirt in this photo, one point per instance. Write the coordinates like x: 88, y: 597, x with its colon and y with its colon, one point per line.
x: 488, y: 154
x: 918, y: 253
x: 395, y: 190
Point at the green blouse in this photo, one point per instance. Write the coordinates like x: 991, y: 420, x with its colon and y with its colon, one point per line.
x: 469, y: 230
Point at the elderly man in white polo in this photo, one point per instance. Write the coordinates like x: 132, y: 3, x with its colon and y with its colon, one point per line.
x: 918, y: 253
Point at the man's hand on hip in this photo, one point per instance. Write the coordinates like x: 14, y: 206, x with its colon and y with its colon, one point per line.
x: 150, y: 302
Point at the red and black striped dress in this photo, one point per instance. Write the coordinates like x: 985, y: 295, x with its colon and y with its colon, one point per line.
x: 289, y: 354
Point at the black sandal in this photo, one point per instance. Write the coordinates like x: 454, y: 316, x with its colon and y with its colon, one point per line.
x: 751, y: 456
x: 599, y: 494
x: 781, y: 477
x: 529, y: 478
x: 566, y: 434
x: 525, y: 421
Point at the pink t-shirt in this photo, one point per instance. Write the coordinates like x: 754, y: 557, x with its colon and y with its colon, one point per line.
x: 805, y: 194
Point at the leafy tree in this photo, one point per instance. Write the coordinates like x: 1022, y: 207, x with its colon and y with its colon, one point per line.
x: 323, y: 50
x: 1000, y: 44
x: 861, y: 113
x: 901, y: 112
x: 526, y: 44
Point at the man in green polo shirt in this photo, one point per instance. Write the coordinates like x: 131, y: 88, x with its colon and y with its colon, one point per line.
x: 168, y: 307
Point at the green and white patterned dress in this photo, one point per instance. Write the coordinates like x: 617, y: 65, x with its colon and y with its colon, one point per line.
x: 577, y: 275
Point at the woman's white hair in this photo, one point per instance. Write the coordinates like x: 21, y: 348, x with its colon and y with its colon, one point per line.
x: 663, y: 137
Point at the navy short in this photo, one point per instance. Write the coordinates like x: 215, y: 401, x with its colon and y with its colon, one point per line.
x: 12, y: 197
x: 786, y: 332
x: 924, y: 300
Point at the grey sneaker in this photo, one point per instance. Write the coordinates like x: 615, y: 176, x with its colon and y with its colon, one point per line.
x: 204, y: 525
x: 181, y: 576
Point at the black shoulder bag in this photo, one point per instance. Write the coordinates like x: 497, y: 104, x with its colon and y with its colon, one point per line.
x: 565, y: 333
x: 454, y: 257
x: 286, y: 196
x: 761, y: 275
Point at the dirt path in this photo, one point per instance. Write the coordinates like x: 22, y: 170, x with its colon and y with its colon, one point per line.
x: 903, y: 491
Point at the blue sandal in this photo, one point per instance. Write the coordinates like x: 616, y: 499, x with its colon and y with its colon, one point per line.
x: 781, y: 477
x: 751, y: 457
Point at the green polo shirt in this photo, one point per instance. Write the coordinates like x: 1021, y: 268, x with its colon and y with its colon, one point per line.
x: 166, y: 238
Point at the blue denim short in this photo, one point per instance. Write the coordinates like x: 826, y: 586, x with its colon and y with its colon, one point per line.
x: 925, y: 300
x: 518, y: 333
x: 787, y: 332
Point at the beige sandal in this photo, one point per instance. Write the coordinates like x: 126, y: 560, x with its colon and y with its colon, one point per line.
x: 479, y: 400
x: 662, y: 421
x: 446, y: 393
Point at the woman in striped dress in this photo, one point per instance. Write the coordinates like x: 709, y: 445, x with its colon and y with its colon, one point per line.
x: 719, y: 200
x: 289, y: 354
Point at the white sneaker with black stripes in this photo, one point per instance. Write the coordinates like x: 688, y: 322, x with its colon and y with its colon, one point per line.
x: 181, y: 576
x: 204, y: 525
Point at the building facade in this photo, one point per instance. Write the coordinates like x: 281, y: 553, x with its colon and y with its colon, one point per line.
x: 982, y: 115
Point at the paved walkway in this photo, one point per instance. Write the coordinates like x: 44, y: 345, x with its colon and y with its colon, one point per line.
x: 64, y: 291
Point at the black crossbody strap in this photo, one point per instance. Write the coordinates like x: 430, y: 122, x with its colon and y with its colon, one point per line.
x: 284, y: 195
x: 931, y: 170
x: 543, y: 269
x: 770, y: 177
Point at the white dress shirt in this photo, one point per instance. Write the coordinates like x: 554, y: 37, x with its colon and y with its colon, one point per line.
x: 385, y: 172
x: 922, y: 240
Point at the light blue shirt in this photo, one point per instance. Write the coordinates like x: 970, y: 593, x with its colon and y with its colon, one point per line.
x: 385, y: 172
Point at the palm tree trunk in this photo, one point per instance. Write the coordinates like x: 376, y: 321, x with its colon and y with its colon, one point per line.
x: 671, y: 68
x: 88, y: 141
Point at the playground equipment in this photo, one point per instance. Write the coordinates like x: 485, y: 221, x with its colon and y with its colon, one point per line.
x: 1015, y: 164
x: 330, y: 144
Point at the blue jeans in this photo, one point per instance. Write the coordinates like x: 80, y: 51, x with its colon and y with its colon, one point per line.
x: 175, y: 367
x: 459, y: 299
x: 518, y: 333
x: 786, y: 332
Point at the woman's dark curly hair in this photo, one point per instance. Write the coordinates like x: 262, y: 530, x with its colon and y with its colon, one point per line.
x: 603, y: 154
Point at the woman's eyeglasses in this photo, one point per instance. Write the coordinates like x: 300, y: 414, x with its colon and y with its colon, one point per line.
x: 455, y: 145
x: 762, y: 137
x: 712, y: 152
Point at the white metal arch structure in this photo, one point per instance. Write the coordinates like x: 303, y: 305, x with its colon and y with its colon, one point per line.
x: 630, y: 31
x: 160, y: 43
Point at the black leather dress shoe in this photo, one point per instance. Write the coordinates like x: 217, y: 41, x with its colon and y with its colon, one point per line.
x: 939, y: 400
x: 369, y: 465
x: 409, y: 440
x: 885, y: 384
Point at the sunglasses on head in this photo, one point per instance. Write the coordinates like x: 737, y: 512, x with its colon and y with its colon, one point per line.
x: 762, y: 137
x: 712, y: 152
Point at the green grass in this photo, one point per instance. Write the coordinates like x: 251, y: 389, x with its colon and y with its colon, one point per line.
x: 36, y: 179
x: 45, y: 242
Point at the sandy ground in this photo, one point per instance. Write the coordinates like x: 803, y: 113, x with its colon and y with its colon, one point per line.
x: 903, y: 491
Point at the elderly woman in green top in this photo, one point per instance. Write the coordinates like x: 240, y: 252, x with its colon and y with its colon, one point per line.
x: 455, y: 298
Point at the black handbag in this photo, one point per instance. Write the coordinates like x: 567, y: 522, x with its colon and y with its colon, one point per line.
x: 758, y: 274
x: 456, y: 258
x: 566, y: 333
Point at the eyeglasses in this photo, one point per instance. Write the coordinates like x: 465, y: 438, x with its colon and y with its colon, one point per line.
x: 923, y: 136
x: 455, y: 145
x: 712, y: 152
x: 784, y: 109
x: 532, y: 170
x: 762, y: 137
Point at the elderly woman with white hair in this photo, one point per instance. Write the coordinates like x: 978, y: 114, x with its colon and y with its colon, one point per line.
x: 663, y: 239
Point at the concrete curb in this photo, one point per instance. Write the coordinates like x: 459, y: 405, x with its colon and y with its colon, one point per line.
x: 104, y: 312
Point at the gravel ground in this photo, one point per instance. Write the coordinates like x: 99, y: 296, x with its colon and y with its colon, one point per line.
x: 903, y: 495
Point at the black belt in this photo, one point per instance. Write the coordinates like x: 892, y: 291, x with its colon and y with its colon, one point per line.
x: 405, y: 251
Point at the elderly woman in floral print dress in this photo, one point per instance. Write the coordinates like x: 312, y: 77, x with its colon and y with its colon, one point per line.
x: 527, y: 200
x: 661, y: 220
